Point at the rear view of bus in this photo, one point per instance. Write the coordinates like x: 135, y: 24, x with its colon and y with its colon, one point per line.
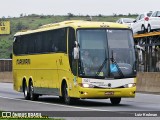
x: 92, y: 60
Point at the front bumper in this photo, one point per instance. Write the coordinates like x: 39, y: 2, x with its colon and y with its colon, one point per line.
x: 93, y: 93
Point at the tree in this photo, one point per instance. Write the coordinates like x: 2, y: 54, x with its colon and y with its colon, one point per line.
x: 21, y: 15
x: 129, y: 14
x: 20, y: 26
x: 70, y: 15
x: 100, y: 15
x: 114, y: 15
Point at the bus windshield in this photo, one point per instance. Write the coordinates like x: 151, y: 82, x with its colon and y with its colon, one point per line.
x: 98, y: 48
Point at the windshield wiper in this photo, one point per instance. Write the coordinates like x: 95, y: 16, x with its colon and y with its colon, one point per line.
x: 101, y: 67
x: 119, y: 70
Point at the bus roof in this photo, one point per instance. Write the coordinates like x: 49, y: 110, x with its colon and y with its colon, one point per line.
x: 74, y: 24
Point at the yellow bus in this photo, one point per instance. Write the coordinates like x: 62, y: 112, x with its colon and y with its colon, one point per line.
x: 75, y: 60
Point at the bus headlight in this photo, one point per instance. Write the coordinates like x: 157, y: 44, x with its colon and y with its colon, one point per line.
x: 85, y: 85
x: 130, y: 85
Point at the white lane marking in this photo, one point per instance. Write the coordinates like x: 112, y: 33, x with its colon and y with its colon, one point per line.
x: 54, y: 104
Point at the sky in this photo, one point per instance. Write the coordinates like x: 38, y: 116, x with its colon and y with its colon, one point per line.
x: 14, y: 8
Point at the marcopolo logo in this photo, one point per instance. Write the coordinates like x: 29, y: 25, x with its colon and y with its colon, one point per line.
x: 6, y: 114
x: 23, y: 61
x: 109, y: 85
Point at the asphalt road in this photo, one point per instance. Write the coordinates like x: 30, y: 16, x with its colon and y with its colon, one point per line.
x: 11, y: 100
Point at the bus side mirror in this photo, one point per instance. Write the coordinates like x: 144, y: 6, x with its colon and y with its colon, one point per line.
x: 76, y: 53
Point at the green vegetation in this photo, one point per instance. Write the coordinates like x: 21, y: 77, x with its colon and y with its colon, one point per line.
x: 34, y: 21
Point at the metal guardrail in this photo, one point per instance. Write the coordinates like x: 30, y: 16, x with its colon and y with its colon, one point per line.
x: 5, y: 65
x: 148, y: 52
x: 148, y: 61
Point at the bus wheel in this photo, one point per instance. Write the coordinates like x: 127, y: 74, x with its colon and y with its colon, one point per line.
x: 61, y: 98
x: 115, y: 101
x: 32, y: 95
x: 25, y: 91
x: 68, y: 100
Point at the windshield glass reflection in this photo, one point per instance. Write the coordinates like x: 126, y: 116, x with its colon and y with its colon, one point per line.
x: 98, y: 46
x: 121, y: 48
x: 92, y: 51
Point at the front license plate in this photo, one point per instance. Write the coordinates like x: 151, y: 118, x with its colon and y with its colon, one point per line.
x: 109, y: 93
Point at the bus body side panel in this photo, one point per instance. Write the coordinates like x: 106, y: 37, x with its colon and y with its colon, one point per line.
x: 41, y: 69
x: 21, y: 70
x: 65, y: 73
x: 44, y: 69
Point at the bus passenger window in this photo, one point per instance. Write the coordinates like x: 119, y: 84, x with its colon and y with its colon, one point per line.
x: 54, y: 48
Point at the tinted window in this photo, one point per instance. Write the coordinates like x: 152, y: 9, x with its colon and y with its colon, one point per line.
x: 62, y: 40
x: 141, y: 17
x: 43, y: 42
x: 138, y: 18
x: 149, y: 14
x: 31, y: 44
x: 158, y: 14
x: 39, y: 43
x: 17, y: 46
x: 154, y: 14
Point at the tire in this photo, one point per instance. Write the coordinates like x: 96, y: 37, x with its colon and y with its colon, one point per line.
x: 115, y: 101
x: 149, y: 28
x: 32, y: 95
x: 25, y: 91
x: 61, y: 98
x: 143, y: 29
x: 68, y: 100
